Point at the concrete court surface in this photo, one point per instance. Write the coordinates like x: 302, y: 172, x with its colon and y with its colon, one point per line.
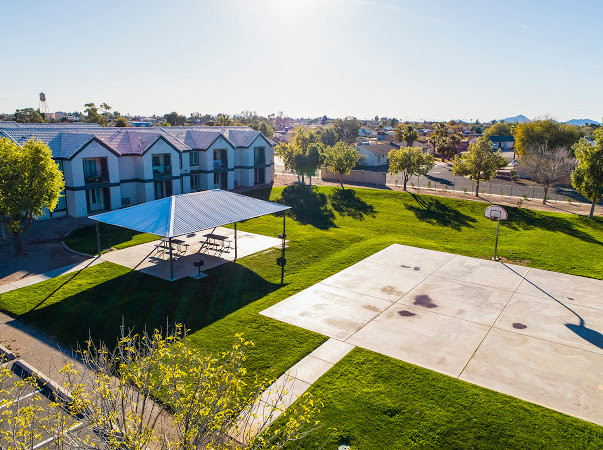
x: 145, y: 258
x: 530, y: 333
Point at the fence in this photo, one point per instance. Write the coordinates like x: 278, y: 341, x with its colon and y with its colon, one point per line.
x: 355, y: 176
x: 495, y: 188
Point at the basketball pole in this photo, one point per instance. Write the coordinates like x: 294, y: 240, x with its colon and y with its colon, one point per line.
x: 496, y: 243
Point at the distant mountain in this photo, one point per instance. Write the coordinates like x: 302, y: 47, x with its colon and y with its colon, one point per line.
x: 520, y: 118
x: 580, y: 122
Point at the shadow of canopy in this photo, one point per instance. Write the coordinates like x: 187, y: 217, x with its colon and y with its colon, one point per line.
x: 139, y: 300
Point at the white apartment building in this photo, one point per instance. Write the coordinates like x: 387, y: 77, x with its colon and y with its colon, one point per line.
x: 110, y: 168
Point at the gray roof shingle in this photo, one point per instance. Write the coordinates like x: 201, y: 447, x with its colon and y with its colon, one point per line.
x: 66, y: 140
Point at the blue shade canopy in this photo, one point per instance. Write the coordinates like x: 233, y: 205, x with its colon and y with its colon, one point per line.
x: 188, y: 213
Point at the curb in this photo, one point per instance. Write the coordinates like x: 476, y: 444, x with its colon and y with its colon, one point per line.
x: 6, y: 355
x: 66, y: 247
x: 44, y: 382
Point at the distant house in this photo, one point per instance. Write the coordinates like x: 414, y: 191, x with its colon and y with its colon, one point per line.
x: 502, y: 142
x: 375, y: 154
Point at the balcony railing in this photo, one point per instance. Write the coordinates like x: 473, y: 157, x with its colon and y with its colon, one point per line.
x: 162, y: 170
x: 220, y: 163
x: 96, y: 177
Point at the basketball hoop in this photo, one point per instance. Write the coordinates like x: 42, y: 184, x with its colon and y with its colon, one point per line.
x: 498, y: 213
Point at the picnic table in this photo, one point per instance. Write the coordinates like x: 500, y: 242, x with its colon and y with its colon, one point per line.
x: 216, y: 242
x: 178, y: 246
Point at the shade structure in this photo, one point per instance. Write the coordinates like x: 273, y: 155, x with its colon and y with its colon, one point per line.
x: 188, y: 213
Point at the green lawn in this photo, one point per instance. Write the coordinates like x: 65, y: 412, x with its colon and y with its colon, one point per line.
x: 330, y: 231
x: 84, y: 239
x: 376, y: 402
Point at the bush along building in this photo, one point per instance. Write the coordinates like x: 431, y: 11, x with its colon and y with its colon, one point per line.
x: 110, y: 168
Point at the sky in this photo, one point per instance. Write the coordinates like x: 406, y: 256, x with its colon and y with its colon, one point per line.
x: 413, y: 60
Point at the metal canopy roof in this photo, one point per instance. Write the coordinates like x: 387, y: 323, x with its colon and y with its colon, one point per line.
x: 188, y: 213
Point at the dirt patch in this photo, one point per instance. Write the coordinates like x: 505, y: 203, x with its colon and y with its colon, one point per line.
x: 371, y: 308
x: 519, y: 326
x: 406, y: 313
x: 390, y: 290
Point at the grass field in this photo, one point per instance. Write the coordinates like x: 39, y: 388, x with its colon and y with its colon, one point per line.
x: 84, y: 239
x: 330, y: 230
x: 378, y: 402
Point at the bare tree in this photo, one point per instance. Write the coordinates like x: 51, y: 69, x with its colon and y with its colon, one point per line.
x: 547, y: 166
x: 157, y: 391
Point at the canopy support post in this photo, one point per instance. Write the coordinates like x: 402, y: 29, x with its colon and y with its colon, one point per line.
x: 235, y: 239
x: 98, y: 239
x: 282, y: 261
x: 171, y: 260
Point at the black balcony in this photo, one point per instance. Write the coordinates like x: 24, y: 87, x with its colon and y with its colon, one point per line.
x: 159, y: 171
x: 96, y: 177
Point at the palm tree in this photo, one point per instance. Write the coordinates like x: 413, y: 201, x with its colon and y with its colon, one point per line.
x: 409, y: 134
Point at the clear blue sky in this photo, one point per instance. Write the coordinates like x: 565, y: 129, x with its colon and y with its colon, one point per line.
x: 430, y: 59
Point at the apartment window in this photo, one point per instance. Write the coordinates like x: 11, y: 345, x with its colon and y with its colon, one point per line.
x: 259, y: 155
x: 195, y: 181
x: 194, y: 158
x: 89, y: 168
x: 62, y: 204
x: 220, y: 158
x: 162, y: 165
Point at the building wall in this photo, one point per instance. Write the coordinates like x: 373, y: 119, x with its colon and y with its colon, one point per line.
x: 131, y: 176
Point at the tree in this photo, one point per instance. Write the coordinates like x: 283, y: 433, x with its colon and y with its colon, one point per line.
x: 266, y: 129
x: 92, y: 115
x: 341, y: 158
x: 30, y: 181
x: 159, y: 391
x: 304, y: 154
x: 499, y: 129
x: 479, y: 163
x: 28, y: 115
x: 121, y: 122
x: 445, y: 142
x: 175, y: 119
x: 587, y: 177
x: 347, y: 129
x: 547, y: 166
x: 328, y: 136
x: 409, y: 161
x: 546, y: 132
x: 309, y: 160
x: 223, y: 120
x: 406, y: 133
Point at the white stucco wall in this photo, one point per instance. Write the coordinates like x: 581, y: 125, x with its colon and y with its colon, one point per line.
x: 94, y: 150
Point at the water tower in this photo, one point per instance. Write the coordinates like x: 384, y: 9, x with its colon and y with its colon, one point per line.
x: 43, y: 106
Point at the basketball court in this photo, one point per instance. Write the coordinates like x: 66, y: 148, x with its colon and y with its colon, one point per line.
x: 529, y: 333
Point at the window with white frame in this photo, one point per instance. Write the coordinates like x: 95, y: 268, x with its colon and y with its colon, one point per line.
x: 194, y: 158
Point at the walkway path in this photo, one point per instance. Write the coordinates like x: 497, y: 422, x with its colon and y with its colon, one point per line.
x: 33, y: 279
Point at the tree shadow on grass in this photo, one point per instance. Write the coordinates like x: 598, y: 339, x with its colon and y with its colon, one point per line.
x: 347, y: 203
x: 526, y: 219
x: 142, y: 300
x: 308, y: 207
x: 432, y: 210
